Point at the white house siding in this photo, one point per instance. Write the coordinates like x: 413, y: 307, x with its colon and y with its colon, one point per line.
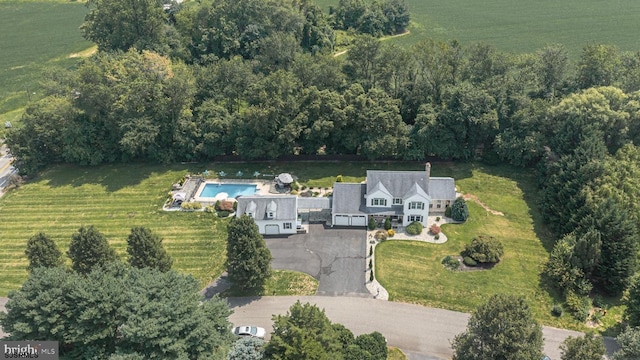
x: 409, y: 212
x: 262, y: 226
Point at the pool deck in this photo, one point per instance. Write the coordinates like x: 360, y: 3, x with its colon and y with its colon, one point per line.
x: 262, y: 188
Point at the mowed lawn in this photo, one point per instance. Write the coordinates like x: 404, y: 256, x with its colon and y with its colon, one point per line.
x: 35, y: 35
x: 524, y: 26
x: 412, y: 271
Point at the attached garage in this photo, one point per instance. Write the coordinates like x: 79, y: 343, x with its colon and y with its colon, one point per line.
x: 358, y: 220
x: 271, y: 229
x: 350, y: 220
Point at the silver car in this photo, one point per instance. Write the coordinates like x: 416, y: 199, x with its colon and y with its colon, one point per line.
x: 253, y: 331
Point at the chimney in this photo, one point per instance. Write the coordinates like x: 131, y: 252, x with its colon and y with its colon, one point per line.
x: 427, y: 168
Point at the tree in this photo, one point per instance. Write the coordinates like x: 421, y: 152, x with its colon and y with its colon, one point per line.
x: 629, y: 341
x: 484, y: 249
x: 118, y: 25
x: 42, y: 252
x: 118, y: 310
x: 562, y: 270
x: 632, y: 301
x: 588, y: 347
x: 599, y: 66
x: 88, y: 249
x: 248, y: 259
x: 247, y: 348
x: 552, y: 64
x: 501, y: 328
x: 305, y: 332
x: 145, y: 250
x: 373, y: 343
x: 459, y: 210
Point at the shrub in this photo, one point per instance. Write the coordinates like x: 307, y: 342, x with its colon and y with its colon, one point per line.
x: 578, y: 306
x: 459, y: 210
x: 434, y: 229
x: 437, y: 218
x: 223, y: 213
x: 370, y: 250
x: 447, y: 211
x: 339, y: 178
x: 387, y: 224
x: 469, y: 261
x: 304, y: 187
x: 437, y: 237
x: 295, y: 186
x: 316, y: 193
x: 598, y: 301
x: 370, y: 263
x: 556, y: 310
x: 371, y: 275
x: 391, y: 232
x: 415, y: 228
x: 191, y: 206
x: 209, y: 209
x: 372, y: 224
x: 484, y: 249
x: 235, y: 206
x: 381, y: 235
x: 450, y: 263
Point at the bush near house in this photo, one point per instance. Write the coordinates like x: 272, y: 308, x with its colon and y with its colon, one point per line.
x: 415, y: 228
x: 435, y: 229
x: 372, y: 224
x: 447, y: 211
x: 387, y: 224
x: 459, y: 210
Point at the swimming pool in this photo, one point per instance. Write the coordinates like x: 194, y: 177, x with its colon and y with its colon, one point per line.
x: 224, y: 191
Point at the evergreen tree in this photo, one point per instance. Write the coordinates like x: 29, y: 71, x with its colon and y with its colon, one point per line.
x: 632, y: 301
x: 145, y: 250
x: 459, y: 210
x: 502, y: 328
x: 247, y: 348
x: 42, y: 252
x: 248, y: 258
x: 629, y: 341
x: 88, y: 249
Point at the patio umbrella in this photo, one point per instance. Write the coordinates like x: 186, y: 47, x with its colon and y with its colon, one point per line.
x: 285, y: 178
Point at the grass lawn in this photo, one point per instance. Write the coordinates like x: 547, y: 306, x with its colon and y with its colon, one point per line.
x: 35, y: 35
x: 281, y: 283
x: 412, y: 271
x: 524, y: 26
x: 396, y: 354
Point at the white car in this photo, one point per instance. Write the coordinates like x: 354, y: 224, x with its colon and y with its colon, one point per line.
x: 253, y: 331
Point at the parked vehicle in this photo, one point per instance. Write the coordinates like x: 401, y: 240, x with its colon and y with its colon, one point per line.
x: 252, y: 331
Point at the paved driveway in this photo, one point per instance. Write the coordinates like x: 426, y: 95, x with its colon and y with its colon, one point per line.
x: 336, y: 257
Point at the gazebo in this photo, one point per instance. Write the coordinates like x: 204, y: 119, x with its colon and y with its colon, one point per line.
x: 179, y: 197
x: 284, y: 180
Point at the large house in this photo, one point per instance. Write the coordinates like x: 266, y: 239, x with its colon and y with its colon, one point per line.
x: 401, y: 196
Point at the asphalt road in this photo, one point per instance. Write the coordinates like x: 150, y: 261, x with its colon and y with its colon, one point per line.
x: 6, y: 170
x: 420, y: 332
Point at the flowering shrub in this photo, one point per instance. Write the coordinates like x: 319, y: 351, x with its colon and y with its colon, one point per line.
x: 435, y: 229
x: 391, y: 232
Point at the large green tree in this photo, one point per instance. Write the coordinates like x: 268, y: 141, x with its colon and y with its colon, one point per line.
x: 632, y: 301
x: 42, y: 252
x: 247, y: 348
x: 120, y: 25
x: 89, y: 248
x: 248, y: 258
x: 501, y: 328
x: 118, y: 310
x: 145, y: 250
x: 588, y: 347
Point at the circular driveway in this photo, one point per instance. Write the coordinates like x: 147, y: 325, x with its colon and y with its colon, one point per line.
x: 335, y: 257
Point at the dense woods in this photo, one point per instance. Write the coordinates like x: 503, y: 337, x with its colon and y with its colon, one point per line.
x: 258, y: 80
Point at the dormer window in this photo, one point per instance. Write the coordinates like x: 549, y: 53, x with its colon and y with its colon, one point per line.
x: 271, y: 210
x: 397, y: 201
x: 378, y: 202
x: 251, y: 209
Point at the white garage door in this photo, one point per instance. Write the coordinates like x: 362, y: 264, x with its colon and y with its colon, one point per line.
x: 271, y: 229
x: 342, y: 220
x: 358, y: 220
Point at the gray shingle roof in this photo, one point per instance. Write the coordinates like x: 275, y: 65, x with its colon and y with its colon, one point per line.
x: 286, y: 206
x: 442, y: 188
x: 314, y: 203
x: 347, y: 198
x: 398, y: 183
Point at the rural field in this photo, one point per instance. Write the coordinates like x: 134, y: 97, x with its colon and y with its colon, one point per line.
x: 35, y: 35
x: 115, y: 198
x: 524, y: 26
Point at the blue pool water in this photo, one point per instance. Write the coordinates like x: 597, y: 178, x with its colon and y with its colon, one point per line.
x: 232, y: 190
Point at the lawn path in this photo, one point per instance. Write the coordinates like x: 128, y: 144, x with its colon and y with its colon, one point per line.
x: 475, y: 199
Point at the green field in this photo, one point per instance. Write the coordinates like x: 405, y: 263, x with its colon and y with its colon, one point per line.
x: 35, y: 35
x: 527, y: 243
x: 524, y: 26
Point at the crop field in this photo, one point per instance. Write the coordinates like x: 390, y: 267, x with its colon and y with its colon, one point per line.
x: 35, y: 35
x: 524, y: 26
